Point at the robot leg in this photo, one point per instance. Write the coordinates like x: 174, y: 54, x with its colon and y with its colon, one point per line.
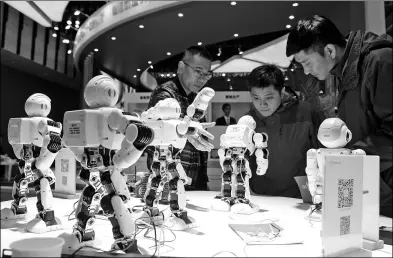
x: 224, y: 200
x: 153, y: 183
x: 243, y: 203
x: 45, y: 220
x: 123, y: 227
x: 178, y: 220
x: 18, y: 208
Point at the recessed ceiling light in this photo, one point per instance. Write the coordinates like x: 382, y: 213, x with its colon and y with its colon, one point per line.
x: 235, y: 35
x: 134, y: 76
x: 233, y: 3
x: 149, y: 62
x: 77, y: 22
x: 291, y: 17
x: 113, y: 38
x: 54, y: 35
x: 77, y: 12
x: 69, y: 51
x: 288, y: 26
x: 69, y: 22
x: 199, y: 43
x: 223, y: 74
x: 151, y: 67
x: 168, y: 53
x: 56, y: 28
x: 68, y: 27
x: 141, y: 26
x: 96, y: 49
x: 138, y: 70
x: 295, y: 4
x: 180, y: 14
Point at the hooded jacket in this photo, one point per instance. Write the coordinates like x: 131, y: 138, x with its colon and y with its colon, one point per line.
x: 292, y: 131
x: 364, y: 99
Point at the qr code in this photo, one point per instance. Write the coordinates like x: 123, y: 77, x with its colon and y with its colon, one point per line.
x: 345, y: 193
x: 64, y: 165
x: 64, y: 180
x: 345, y: 225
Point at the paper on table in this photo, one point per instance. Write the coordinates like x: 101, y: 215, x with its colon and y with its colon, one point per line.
x: 264, y: 234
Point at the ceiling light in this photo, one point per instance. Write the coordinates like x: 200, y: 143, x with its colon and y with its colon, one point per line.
x: 223, y: 74
x: 235, y: 35
x: 141, y: 26
x: 180, y: 15
x: 69, y: 51
x: 168, y: 75
x: 286, y: 78
x: 77, y: 22
x: 173, y: 75
x: 96, y: 49
x: 295, y: 4
x: 54, y: 35
x: 240, y: 51
x: 56, y: 28
x: 291, y: 17
x: 149, y: 62
x: 134, y: 76
x: 233, y: 3
x: 66, y: 41
x: 77, y: 26
x: 229, y: 80
x: 113, y: 38
x: 69, y: 22
x: 288, y: 26
x: 77, y: 12
x: 138, y: 70
x: 199, y: 43
x: 68, y: 27
x: 151, y: 67
x: 168, y: 53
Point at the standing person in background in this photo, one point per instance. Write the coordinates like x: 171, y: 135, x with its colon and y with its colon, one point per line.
x: 291, y: 126
x: 226, y: 119
x: 193, y: 72
x: 362, y: 64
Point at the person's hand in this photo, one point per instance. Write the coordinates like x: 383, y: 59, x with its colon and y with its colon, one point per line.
x: 198, y: 141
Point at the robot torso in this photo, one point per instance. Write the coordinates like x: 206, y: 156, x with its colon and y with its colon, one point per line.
x: 238, y: 136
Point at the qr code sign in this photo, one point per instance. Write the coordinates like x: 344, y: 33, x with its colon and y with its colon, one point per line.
x: 345, y: 193
x: 64, y: 165
x: 345, y: 225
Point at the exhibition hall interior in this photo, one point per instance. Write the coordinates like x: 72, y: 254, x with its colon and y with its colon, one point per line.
x: 196, y: 128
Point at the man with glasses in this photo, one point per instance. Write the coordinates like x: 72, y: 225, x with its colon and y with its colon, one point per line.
x: 193, y: 72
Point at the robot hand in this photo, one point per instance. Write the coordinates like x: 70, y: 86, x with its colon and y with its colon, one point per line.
x: 196, y: 138
x: 51, y: 133
x: 55, y: 143
x: 197, y: 109
x: 312, y: 171
x: 261, y: 153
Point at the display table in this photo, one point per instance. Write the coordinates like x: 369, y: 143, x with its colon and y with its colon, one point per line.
x: 211, y: 237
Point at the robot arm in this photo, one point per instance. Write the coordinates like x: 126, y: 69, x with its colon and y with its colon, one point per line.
x: 52, y: 143
x: 197, y: 109
x: 261, y: 152
x: 312, y: 172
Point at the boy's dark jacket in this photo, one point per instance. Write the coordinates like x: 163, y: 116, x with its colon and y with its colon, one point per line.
x: 292, y: 131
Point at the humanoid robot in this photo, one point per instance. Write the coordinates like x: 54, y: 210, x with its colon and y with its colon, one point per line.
x: 237, y: 145
x: 36, y: 141
x: 105, y: 140
x: 334, y: 134
x: 170, y: 133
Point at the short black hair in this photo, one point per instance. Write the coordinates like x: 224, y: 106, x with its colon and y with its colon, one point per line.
x: 265, y: 75
x: 198, y: 50
x: 314, y: 34
x: 225, y: 105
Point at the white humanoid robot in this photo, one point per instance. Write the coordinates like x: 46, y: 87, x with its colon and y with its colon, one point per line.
x: 36, y: 141
x: 334, y: 135
x: 237, y: 145
x: 105, y: 140
x: 170, y: 133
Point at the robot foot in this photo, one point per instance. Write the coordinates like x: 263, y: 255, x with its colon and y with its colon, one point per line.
x: 73, y: 241
x: 180, y: 222
x: 220, y: 204
x: 9, y: 214
x: 126, y: 245
x: 245, y: 209
x: 313, y: 215
x: 43, y: 223
x: 149, y: 216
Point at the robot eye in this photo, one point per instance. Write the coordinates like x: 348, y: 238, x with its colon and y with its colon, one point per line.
x: 112, y: 93
x: 46, y: 107
x: 42, y: 106
x: 347, y: 137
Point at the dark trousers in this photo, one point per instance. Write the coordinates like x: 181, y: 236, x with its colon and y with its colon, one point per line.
x: 385, y: 196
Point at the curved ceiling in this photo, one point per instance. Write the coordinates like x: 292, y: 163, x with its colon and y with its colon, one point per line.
x: 208, y: 22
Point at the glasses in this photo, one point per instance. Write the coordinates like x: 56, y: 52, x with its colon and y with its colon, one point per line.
x: 199, y: 73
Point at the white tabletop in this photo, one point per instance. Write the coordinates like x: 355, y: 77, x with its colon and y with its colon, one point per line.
x: 213, y: 235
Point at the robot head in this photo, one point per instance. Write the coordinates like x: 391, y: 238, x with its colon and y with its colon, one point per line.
x: 247, y: 120
x: 102, y: 91
x: 334, y: 133
x: 38, y: 105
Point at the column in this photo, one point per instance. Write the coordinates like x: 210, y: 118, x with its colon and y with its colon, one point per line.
x: 375, y: 16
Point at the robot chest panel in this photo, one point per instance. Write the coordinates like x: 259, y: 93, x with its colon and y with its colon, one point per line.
x: 238, y: 136
x: 30, y: 151
x: 99, y: 157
